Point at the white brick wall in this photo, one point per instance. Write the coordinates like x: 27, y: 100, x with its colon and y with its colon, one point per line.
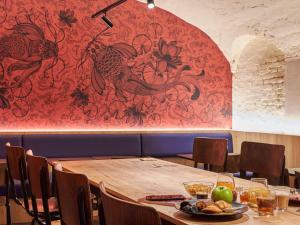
x: 258, y: 82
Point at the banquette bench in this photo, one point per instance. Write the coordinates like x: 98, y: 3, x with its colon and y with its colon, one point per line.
x: 97, y: 146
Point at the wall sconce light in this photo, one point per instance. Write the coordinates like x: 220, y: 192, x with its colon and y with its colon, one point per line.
x: 107, y: 21
x: 150, y: 4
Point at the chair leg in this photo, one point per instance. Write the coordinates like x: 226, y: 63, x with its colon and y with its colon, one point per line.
x: 46, y: 212
x: 8, y: 216
x: 35, y: 210
x: 195, y: 164
x: 95, y: 190
x: 206, y: 166
x: 100, y: 212
x: 7, y: 200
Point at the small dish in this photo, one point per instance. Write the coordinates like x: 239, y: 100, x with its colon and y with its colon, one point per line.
x: 195, y: 188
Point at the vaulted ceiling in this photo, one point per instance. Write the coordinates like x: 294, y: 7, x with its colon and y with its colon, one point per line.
x: 226, y: 21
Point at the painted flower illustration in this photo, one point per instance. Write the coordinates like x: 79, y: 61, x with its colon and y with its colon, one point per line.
x: 226, y: 110
x: 4, y: 103
x: 134, y: 116
x: 168, y: 56
x: 80, y: 98
x: 67, y: 17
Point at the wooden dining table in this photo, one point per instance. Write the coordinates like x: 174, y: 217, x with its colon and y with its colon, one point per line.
x: 133, y: 179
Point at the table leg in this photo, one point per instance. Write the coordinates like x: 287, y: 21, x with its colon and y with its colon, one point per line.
x: 95, y: 190
x: 7, y: 201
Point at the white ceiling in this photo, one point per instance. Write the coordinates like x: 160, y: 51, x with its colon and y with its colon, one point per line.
x: 226, y: 20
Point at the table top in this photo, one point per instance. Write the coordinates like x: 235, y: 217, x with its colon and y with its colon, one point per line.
x: 133, y: 179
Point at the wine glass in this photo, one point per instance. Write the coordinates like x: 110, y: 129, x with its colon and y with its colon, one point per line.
x: 226, y: 180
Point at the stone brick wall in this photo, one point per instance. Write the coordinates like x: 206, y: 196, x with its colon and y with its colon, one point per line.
x: 258, y: 82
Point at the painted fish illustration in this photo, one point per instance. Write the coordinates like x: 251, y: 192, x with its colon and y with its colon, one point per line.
x: 26, y: 43
x: 109, y: 64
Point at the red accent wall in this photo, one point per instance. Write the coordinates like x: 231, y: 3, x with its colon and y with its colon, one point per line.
x: 59, y: 69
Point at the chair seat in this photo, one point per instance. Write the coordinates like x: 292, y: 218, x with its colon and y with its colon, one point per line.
x: 2, y: 190
x: 52, y: 203
x: 18, y: 187
x: 249, y: 175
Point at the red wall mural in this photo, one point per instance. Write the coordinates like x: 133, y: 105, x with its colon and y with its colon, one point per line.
x: 60, y: 69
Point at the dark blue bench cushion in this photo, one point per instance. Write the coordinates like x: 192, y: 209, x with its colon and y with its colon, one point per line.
x: 13, y: 139
x: 249, y: 175
x: 83, y: 145
x: 176, y: 143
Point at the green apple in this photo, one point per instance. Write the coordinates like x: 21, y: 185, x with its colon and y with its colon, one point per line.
x: 222, y: 193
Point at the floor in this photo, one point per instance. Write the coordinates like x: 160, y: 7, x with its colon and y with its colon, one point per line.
x: 20, y: 217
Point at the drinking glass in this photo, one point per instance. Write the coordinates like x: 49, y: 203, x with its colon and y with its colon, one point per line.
x: 262, y: 181
x: 282, y: 197
x: 265, y: 203
x: 258, y: 186
x: 244, y: 195
x: 226, y: 180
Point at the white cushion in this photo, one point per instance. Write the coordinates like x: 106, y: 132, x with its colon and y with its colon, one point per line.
x: 29, y: 152
x: 58, y: 166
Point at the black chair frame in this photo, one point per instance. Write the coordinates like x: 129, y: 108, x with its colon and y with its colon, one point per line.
x: 11, y: 191
x: 46, y: 217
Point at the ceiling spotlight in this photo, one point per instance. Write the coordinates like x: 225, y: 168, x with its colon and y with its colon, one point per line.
x: 107, y: 21
x: 150, y: 4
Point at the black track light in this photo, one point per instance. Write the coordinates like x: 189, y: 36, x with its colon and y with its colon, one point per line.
x: 108, y: 8
x: 107, y: 21
x: 150, y: 4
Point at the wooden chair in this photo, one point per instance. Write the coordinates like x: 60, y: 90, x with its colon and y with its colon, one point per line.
x: 16, y: 171
x: 264, y: 160
x: 44, y: 204
x: 297, y: 180
x: 212, y: 152
x: 73, y: 194
x: 117, y: 211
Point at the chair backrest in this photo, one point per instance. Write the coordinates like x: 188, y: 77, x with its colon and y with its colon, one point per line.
x: 210, y: 151
x: 264, y: 160
x: 17, y: 170
x: 73, y: 194
x: 117, y: 211
x: 297, y: 179
x: 38, y: 175
x: 39, y: 185
x: 16, y: 162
